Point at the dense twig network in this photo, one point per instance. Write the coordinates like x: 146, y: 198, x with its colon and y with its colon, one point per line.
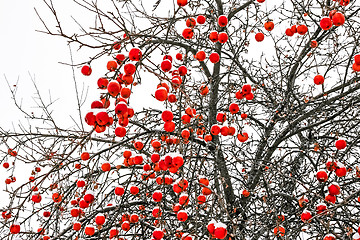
x: 258, y: 137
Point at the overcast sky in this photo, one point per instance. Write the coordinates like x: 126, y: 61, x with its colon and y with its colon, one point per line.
x: 25, y: 51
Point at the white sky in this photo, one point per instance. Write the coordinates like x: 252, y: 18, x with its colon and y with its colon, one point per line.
x: 25, y: 51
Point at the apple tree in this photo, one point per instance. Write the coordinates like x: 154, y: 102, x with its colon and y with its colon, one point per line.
x: 213, y: 119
